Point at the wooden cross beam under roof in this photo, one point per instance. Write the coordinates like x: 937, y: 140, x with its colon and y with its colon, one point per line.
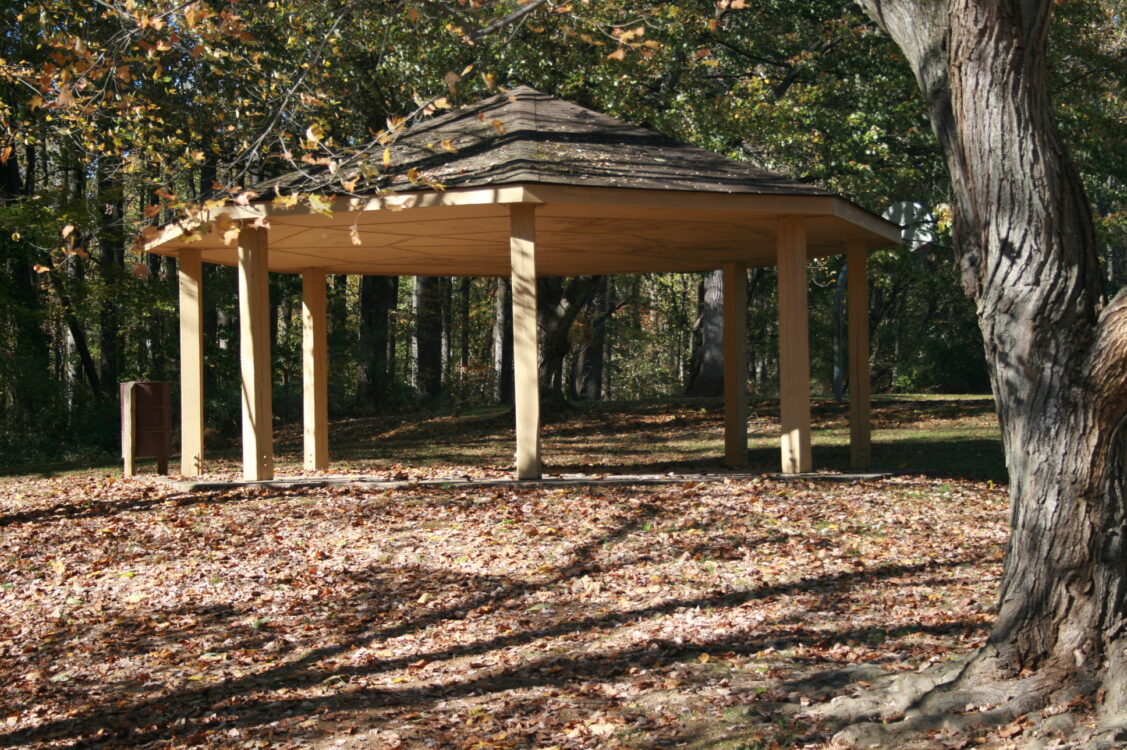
x: 525, y: 185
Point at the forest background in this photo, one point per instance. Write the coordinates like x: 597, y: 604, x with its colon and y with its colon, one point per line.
x: 118, y: 115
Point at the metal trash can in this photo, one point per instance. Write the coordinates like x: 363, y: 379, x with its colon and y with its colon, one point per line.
x: 146, y: 424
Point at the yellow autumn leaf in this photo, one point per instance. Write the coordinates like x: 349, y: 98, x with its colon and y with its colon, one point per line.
x: 318, y: 204
x: 230, y: 234
x: 288, y: 200
x: 448, y: 145
x: 387, y: 157
x: 619, y: 54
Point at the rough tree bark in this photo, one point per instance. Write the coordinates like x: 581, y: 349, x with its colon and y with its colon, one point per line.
x: 1057, y: 353
x: 706, y: 375
x: 586, y: 381
x: 558, y: 304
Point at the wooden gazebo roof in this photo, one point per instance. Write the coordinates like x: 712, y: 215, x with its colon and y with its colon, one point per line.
x: 525, y: 136
x: 613, y: 198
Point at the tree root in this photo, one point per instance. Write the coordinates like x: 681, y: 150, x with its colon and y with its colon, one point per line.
x: 950, y: 703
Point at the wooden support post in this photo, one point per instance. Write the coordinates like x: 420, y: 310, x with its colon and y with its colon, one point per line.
x: 315, y: 368
x: 254, y: 348
x: 128, y: 430
x: 191, y: 363
x: 526, y: 390
x: 735, y: 364
x: 860, y: 429
x: 794, y: 347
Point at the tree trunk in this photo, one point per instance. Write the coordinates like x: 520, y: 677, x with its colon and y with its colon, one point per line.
x: 377, y: 300
x: 111, y: 244
x: 558, y: 304
x: 446, y: 315
x: 1024, y: 239
x: 428, y: 336
x: 839, y: 332
x: 503, y: 342
x: 587, y: 377
x: 32, y: 386
x: 78, y: 333
x: 706, y: 376
x: 465, y: 286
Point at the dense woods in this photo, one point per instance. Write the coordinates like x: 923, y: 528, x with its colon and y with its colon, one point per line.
x: 993, y: 128
x: 118, y: 118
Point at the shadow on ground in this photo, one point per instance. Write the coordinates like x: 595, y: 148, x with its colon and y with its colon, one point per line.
x: 629, y: 617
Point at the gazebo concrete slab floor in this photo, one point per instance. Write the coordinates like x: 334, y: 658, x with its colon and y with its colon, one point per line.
x: 523, y: 186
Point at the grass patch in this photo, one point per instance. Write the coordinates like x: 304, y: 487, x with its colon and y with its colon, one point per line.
x: 955, y: 436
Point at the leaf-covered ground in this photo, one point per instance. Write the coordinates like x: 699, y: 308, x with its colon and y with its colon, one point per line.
x: 686, y: 614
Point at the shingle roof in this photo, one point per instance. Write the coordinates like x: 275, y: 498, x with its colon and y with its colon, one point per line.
x: 525, y: 136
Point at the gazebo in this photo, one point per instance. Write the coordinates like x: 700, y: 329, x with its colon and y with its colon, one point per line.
x: 525, y: 185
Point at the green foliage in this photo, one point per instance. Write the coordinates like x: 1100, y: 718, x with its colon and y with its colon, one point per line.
x: 130, y: 113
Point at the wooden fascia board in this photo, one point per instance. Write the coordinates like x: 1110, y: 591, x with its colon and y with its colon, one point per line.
x: 342, y: 205
x: 887, y: 232
x: 810, y: 205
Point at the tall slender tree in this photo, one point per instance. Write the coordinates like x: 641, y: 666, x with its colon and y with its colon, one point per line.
x: 428, y: 336
x: 377, y: 300
x: 706, y: 373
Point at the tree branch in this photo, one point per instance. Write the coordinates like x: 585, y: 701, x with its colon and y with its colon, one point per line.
x: 513, y: 17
